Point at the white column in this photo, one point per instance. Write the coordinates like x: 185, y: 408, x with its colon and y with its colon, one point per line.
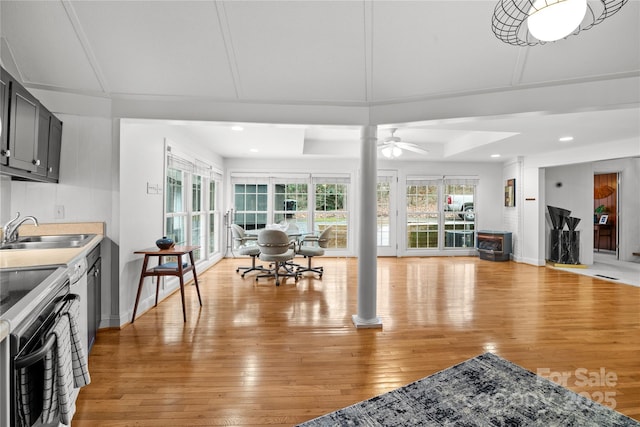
x: 367, y: 243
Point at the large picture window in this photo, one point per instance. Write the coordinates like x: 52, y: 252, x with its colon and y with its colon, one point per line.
x: 310, y: 203
x: 440, y: 212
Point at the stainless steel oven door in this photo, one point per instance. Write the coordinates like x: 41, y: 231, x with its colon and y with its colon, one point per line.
x: 28, y: 337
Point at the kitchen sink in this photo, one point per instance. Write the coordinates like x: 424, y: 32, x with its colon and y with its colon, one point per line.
x: 50, y: 242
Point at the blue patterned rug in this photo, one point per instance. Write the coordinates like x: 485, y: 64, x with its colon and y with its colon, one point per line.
x: 484, y: 391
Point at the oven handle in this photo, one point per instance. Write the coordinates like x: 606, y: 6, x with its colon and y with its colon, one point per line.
x: 30, y: 359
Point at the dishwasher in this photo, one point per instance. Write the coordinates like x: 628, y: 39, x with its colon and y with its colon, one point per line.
x: 78, y: 286
x: 93, y: 295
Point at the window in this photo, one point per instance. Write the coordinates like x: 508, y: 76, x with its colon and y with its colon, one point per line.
x: 423, y: 217
x: 291, y: 203
x: 250, y: 203
x: 311, y: 203
x: 459, y: 212
x: 331, y: 208
x: 176, y: 215
x: 440, y: 212
x: 191, y: 217
x: 198, y: 218
x: 383, y: 218
x: 213, y: 218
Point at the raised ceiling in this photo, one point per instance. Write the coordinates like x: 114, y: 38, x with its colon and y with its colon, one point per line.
x: 328, y: 54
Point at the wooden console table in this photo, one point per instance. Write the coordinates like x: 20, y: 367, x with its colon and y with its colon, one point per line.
x: 178, y: 269
x: 603, y: 230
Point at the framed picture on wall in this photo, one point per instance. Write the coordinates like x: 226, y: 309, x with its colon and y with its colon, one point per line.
x: 603, y: 219
x: 510, y: 193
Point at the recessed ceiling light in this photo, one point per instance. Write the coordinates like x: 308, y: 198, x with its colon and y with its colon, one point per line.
x: 565, y: 139
x: 237, y: 128
x: 253, y: 150
x: 495, y: 155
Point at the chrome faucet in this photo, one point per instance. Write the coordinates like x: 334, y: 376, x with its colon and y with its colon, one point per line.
x: 10, y: 229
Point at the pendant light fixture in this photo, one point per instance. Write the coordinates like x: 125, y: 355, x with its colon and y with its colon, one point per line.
x: 532, y: 22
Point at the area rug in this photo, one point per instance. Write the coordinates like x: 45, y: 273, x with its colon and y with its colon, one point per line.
x: 484, y: 391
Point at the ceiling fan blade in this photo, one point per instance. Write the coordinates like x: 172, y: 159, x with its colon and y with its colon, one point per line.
x: 412, y: 147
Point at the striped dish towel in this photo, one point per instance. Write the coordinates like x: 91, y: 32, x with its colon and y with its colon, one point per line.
x: 79, y: 356
x: 29, y: 398
x: 58, y: 385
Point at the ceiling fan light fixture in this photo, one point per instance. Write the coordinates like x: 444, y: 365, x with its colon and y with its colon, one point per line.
x: 391, y: 151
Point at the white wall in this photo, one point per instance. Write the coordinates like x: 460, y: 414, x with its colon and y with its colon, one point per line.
x: 141, y: 214
x: 512, y: 216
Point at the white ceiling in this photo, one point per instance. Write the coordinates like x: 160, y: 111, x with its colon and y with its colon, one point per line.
x: 327, y: 54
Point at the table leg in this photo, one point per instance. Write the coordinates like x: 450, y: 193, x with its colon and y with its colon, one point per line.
x: 181, y: 277
x: 144, y: 268
x: 195, y: 277
x: 158, y: 282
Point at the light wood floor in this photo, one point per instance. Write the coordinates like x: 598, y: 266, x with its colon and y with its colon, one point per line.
x: 257, y: 355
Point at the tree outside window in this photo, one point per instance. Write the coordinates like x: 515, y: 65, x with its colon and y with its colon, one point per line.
x: 422, y: 214
x: 331, y: 209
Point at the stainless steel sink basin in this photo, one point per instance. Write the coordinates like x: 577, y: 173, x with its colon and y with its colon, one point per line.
x: 57, y: 238
x: 50, y: 242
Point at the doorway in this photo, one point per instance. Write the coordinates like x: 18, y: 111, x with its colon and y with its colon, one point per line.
x: 605, y: 213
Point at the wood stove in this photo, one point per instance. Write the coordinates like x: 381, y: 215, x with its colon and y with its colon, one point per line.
x: 494, y: 245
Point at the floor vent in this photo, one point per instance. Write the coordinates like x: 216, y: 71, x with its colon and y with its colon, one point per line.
x: 606, y: 277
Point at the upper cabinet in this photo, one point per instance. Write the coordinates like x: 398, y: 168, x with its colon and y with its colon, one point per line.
x: 23, y: 128
x: 31, y: 135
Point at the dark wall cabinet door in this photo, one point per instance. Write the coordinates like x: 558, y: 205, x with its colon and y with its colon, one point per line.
x: 44, y: 123
x: 55, y: 145
x: 49, y: 143
x: 23, y: 128
x: 4, y: 116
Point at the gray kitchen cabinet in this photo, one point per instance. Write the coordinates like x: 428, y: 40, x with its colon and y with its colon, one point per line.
x: 44, y: 122
x: 23, y: 128
x: 55, y: 145
x: 49, y: 143
x: 31, y: 136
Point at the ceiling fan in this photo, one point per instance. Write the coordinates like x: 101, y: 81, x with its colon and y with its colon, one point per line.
x: 392, y: 146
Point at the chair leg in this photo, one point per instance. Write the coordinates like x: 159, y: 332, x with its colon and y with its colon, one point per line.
x: 318, y: 270
x: 253, y: 267
x: 275, y: 273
